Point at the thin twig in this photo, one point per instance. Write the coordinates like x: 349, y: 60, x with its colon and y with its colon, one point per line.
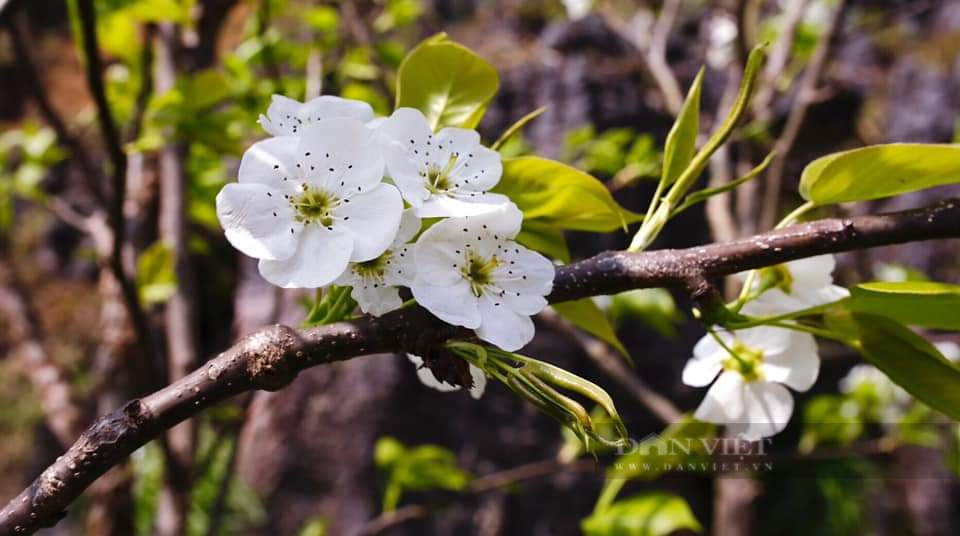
x: 272, y: 358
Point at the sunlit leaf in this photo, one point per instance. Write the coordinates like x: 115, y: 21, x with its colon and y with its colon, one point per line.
x: 545, y: 239
x: 654, y: 307
x: 156, y: 277
x: 653, y: 513
x: 447, y: 82
x: 916, y: 303
x: 682, y: 139
x: 879, y: 171
x: 587, y: 316
x: 560, y: 196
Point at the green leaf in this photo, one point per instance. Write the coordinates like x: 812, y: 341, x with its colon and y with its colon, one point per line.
x: 562, y: 197
x: 545, y: 239
x: 447, y: 82
x: 910, y: 361
x: 682, y: 139
x: 879, y: 171
x: 915, y: 303
x: 587, y: 316
x: 654, y: 307
x: 653, y: 513
x: 651, y: 457
x: 156, y: 277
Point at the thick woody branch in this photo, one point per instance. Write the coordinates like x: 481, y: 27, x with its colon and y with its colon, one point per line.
x: 272, y: 358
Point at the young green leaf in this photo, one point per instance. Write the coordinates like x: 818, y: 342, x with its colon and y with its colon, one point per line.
x: 916, y: 303
x: 682, y: 139
x: 910, y: 361
x: 545, y: 239
x: 562, y: 197
x: 587, y: 316
x: 879, y: 171
x: 653, y: 513
x: 447, y: 82
x: 653, y: 307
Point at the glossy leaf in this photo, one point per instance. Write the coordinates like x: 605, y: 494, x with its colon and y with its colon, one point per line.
x: 910, y: 361
x: 587, y: 316
x: 682, y: 139
x: 653, y: 513
x: 557, y: 195
x: 653, y: 307
x: 447, y: 82
x: 546, y: 239
x: 915, y: 303
x: 879, y: 171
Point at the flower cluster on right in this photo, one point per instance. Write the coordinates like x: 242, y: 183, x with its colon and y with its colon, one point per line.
x: 753, y: 367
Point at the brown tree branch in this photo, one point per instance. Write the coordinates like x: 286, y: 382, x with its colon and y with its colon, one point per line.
x: 272, y: 358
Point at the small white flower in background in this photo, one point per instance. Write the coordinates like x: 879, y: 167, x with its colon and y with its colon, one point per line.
x: 376, y: 282
x: 801, y: 284
x: 864, y: 375
x: 288, y: 117
x: 441, y: 175
x: 749, y: 396
x: 578, y: 9
x: 722, y: 35
x: 427, y: 378
x: 308, y: 206
x: 949, y: 349
x: 471, y: 273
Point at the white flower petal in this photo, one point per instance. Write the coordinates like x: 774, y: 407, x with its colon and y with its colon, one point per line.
x: 502, y: 327
x: 708, y: 347
x: 454, y: 304
x: 812, y: 272
x: 426, y: 376
x: 401, y: 270
x: 767, y: 339
x: 339, y: 155
x: 405, y: 173
x: 443, y: 206
x: 258, y: 221
x: 438, y: 263
x: 377, y: 300
x: 409, y: 227
x: 282, y: 116
x: 525, y: 271
x: 477, y: 169
x: 407, y: 126
x: 271, y: 162
x: 329, y: 106
x: 724, y: 402
x: 797, y: 366
x: 372, y: 220
x: 703, y: 367
x: 321, y: 258
x: 768, y: 409
x: 479, y: 382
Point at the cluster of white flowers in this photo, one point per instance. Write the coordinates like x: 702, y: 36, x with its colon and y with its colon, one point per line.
x: 755, y: 364
x: 322, y: 202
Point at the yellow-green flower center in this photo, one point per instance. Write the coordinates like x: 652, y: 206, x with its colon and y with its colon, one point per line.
x: 778, y: 276
x: 374, y: 268
x: 438, y: 179
x: 314, y: 205
x: 745, y: 360
x: 479, y: 272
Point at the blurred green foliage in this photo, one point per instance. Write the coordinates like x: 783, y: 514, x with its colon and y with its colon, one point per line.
x: 419, y: 468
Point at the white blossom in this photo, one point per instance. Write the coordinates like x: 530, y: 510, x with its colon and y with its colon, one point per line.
x: 288, y: 117
x: 376, y: 282
x: 801, y: 284
x: 750, y: 396
x: 427, y: 378
x: 306, y: 206
x: 471, y: 273
x: 441, y: 175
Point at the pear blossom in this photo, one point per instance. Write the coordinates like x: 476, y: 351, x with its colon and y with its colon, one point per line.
x: 427, y: 378
x: 750, y: 396
x: 471, y: 273
x: 441, y: 175
x: 801, y: 284
x: 307, y: 206
x: 376, y: 282
x: 289, y: 117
